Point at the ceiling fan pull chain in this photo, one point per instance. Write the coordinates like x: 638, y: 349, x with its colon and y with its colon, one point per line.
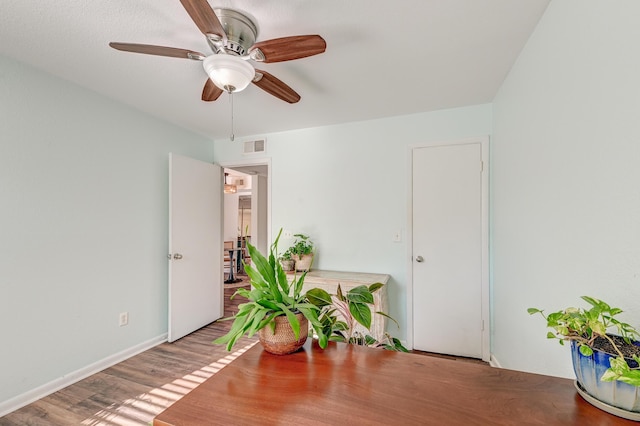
x: 231, y: 100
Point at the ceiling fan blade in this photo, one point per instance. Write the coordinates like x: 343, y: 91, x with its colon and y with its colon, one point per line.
x: 275, y: 87
x: 149, y: 49
x: 204, y: 17
x: 211, y: 92
x: 287, y: 48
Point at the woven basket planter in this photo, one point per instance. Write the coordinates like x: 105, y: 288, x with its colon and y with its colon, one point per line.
x: 282, y: 341
x: 303, y: 262
x: 288, y: 265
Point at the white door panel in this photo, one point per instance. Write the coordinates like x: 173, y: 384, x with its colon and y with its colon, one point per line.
x: 195, y: 245
x: 448, y: 237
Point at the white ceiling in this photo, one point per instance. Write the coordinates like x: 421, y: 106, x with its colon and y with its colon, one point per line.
x: 382, y: 59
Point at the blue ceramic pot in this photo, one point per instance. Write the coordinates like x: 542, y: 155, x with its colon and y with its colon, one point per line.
x: 589, y: 370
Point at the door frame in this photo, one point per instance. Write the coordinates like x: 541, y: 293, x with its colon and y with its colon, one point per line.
x: 485, y: 291
x: 255, y: 162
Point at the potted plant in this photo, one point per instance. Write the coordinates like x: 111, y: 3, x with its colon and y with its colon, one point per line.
x: 276, y: 309
x: 287, y: 262
x: 341, y: 313
x: 302, y: 252
x: 606, y: 364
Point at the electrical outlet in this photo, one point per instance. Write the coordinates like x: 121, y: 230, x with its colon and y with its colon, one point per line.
x: 287, y: 234
x: 123, y: 318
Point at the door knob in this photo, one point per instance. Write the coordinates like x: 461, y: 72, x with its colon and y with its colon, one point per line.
x: 419, y: 259
x: 177, y: 256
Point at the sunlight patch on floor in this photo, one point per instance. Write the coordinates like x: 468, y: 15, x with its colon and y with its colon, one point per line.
x: 141, y: 409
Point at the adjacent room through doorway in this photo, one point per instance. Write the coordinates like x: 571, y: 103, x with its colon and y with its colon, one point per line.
x: 245, y: 215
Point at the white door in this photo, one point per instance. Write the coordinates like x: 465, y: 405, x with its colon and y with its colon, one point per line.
x: 195, y: 245
x: 448, y: 249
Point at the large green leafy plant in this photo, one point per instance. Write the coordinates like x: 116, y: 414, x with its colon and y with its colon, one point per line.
x: 340, y: 314
x: 271, y: 295
x: 585, y: 326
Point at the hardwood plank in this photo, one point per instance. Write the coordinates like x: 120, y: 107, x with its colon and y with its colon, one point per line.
x: 41, y: 413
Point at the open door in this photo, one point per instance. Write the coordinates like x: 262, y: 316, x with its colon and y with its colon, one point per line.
x: 195, y: 245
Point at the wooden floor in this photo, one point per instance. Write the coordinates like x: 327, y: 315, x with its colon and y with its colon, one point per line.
x: 136, y: 390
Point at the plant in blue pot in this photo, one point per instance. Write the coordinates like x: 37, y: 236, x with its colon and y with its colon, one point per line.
x: 605, y: 353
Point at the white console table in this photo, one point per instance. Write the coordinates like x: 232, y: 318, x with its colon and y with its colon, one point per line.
x: 329, y: 280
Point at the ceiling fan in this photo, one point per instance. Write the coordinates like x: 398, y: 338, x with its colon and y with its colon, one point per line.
x: 231, y: 35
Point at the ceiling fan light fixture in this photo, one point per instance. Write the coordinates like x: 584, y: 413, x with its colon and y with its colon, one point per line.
x: 229, y: 188
x: 229, y: 72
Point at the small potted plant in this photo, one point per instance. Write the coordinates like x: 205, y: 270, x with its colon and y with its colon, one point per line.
x: 606, y: 364
x: 341, y: 313
x: 280, y: 313
x: 276, y: 309
x: 302, y: 252
x: 287, y: 262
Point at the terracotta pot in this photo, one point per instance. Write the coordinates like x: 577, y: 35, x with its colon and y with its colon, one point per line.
x: 282, y: 340
x: 303, y: 263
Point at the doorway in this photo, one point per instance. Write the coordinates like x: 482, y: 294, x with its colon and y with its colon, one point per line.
x: 449, y: 248
x: 247, y: 211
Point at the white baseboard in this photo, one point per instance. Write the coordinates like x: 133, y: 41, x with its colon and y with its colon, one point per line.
x: 494, y: 362
x: 26, y: 398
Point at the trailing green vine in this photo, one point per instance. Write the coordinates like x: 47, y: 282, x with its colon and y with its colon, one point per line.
x: 584, y: 326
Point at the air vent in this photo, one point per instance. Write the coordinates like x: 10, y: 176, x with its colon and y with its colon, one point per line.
x: 251, y: 147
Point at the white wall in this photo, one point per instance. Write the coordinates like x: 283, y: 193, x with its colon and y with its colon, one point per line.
x: 83, y: 225
x: 259, y: 213
x: 566, y: 180
x: 231, y: 230
x: 346, y: 187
